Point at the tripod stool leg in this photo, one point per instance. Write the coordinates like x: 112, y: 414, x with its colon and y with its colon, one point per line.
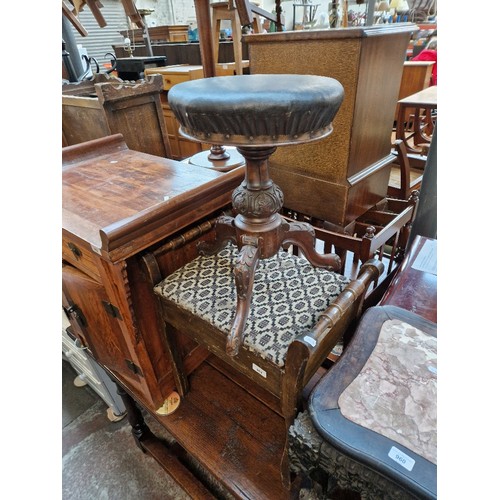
x: 244, y: 273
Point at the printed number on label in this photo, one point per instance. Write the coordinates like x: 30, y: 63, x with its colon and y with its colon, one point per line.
x: 259, y: 370
x: 401, y: 458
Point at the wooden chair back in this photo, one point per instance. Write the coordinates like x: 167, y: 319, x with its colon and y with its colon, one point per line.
x: 404, y: 177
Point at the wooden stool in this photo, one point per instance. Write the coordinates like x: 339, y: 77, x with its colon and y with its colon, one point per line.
x: 226, y: 11
x: 257, y: 113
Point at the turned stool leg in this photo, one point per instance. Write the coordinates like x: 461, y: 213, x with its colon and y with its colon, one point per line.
x: 259, y: 231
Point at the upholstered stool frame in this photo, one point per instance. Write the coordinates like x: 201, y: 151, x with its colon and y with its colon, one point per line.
x: 257, y: 114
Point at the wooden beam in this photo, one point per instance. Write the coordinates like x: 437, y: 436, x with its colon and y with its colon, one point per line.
x: 133, y: 13
x: 73, y: 20
x: 244, y: 11
x: 203, y: 19
x: 95, y: 6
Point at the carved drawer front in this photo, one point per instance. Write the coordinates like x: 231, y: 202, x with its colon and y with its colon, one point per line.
x: 80, y: 256
x: 96, y: 322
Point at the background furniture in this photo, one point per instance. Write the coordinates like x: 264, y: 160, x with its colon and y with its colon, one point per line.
x: 416, y: 76
x: 226, y: 11
x: 415, y: 124
x: 116, y: 203
x: 106, y: 105
x: 417, y: 272
x: 89, y: 372
x: 342, y: 177
x: 416, y: 120
x: 308, y: 15
x: 132, y: 68
x: 183, y: 53
x: 167, y: 33
x: 404, y: 178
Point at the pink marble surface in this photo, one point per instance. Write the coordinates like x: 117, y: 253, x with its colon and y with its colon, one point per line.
x: 395, y: 394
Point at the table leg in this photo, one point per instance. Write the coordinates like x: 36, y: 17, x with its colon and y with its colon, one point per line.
x: 134, y: 415
x: 202, y: 8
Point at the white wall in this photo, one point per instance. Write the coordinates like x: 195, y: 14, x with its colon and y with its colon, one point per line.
x: 183, y: 11
x: 321, y: 13
x: 169, y: 12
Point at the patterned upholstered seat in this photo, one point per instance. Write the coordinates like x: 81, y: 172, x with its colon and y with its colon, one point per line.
x: 289, y: 296
x: 298, y: 313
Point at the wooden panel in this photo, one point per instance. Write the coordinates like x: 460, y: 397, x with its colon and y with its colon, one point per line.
x: 380, y: 70
x: 101, y: 331
x: 337, y: 59
x: 326, y: 200
x: 77, y: 253
x: 416, y: 76
x: 82, y: 120
x: 366, y: 187
x: 135, y: 112
x: 107, y: 105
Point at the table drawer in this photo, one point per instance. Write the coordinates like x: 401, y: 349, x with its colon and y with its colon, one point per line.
x: 177, y: 73
x: 81, y: 257
x: 170, y: 80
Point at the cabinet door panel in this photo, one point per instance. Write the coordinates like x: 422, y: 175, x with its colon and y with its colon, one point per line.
x: 97, y: 328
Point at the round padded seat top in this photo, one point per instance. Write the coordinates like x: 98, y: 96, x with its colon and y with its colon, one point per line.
x: 256, y: 110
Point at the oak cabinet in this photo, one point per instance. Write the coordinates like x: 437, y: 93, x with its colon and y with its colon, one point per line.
x: 117, y: 203
x: 338, y: 179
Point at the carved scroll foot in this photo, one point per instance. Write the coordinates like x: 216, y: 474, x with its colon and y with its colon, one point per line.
x: 244, y: 273
x: 302, y: 235
x: 224, y: 232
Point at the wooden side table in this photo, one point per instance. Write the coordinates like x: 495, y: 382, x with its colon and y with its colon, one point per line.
x: 116, y: 203
x: 415, y: 122
x: 414, y: 287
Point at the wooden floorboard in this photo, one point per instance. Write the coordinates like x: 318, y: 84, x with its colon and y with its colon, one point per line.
x: 233, y: 435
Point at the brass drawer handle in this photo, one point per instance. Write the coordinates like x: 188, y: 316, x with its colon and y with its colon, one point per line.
x: 75, y: 250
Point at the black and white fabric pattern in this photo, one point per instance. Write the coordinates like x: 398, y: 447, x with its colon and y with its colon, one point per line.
x: 289, y: 294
